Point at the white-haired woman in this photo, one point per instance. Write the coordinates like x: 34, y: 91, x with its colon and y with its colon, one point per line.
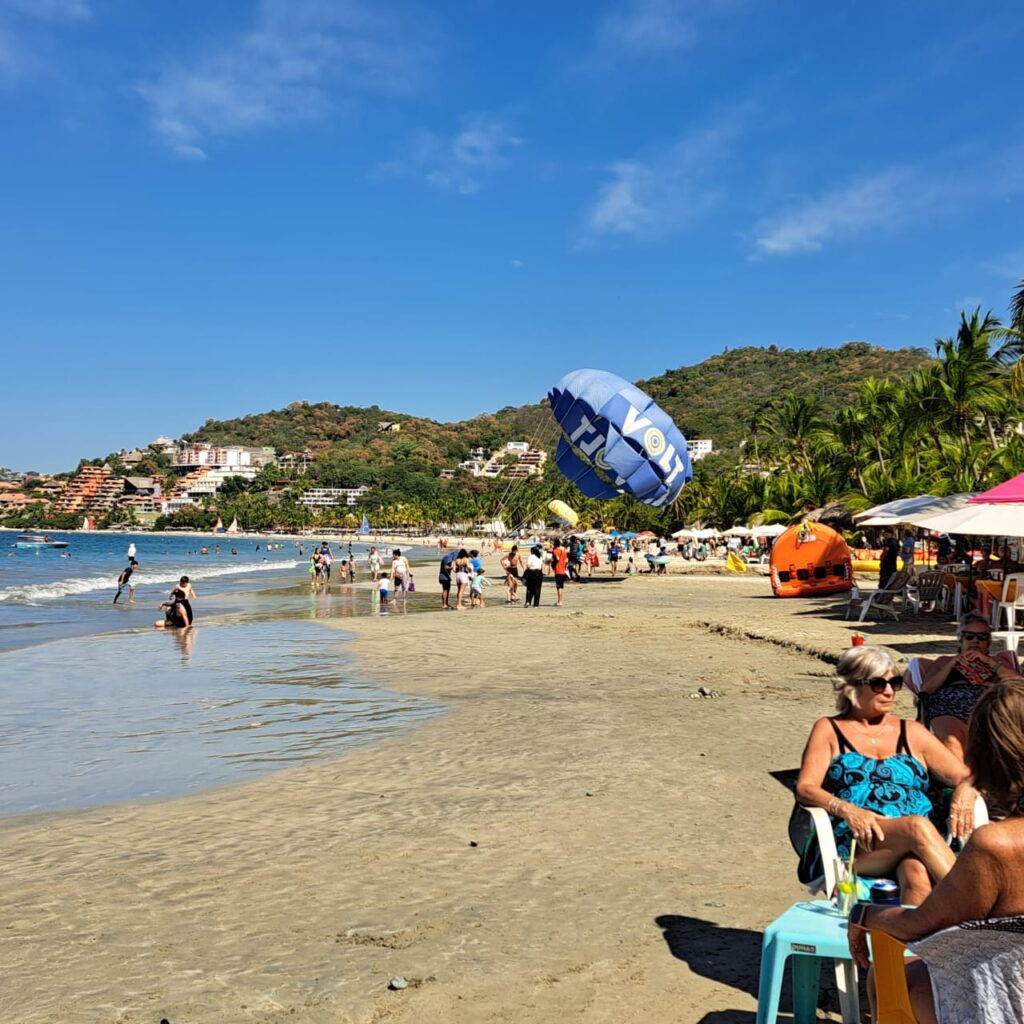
x: 870, y: 770
x: 952, y: 684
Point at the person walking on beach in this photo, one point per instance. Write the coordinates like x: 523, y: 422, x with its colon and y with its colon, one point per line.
x: 476, y: 589
x: 463, y: 570
x: 125, y: 580
x: 444, y: 577
x: 614, y: 553
x: 399, y: 572
x: 131, y: 552
x: 560, y: 561
x: 513, y: 566
x: 325, y: 561
x: 534, y: 576
x: 373, y: 560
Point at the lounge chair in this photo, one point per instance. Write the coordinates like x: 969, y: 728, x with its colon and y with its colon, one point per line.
x: 914, y: 677
x: 930, y: 589
x: 883, y: 601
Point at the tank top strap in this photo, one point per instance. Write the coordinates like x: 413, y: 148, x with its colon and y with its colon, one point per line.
x: 844, y: 744
x: 903, y: 747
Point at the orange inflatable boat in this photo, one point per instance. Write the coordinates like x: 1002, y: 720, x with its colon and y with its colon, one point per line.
x: 810, y: 559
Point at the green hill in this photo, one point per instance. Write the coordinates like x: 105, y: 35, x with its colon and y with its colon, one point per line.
x: 712, y: 399
x: 716, y: 398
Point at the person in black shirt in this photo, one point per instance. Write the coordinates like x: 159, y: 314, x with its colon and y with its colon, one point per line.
x: 124, y: 580
x: 887, y: 565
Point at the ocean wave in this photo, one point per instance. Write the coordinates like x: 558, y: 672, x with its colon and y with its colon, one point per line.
x: 35, y: 592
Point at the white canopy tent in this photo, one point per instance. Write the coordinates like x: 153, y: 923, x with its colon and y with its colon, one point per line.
x: 739, y: 531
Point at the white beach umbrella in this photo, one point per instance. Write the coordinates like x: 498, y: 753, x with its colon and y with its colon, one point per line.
x: 739, y: 531
x: 771, y: 530
x: 704, y: 534
x: 688, y: 534
x: 1005, y: 519
x: 903, y: 510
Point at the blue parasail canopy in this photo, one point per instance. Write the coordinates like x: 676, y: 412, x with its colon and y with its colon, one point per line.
x: 617, y: 440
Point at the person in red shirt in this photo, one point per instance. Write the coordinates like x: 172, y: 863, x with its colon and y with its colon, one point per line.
x: 560, y: 560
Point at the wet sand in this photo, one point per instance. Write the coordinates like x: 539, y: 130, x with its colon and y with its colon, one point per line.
x: 577, y: 839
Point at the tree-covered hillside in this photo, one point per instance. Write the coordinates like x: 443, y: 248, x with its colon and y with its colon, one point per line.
x: 715, y: 399
x: 719, y: 397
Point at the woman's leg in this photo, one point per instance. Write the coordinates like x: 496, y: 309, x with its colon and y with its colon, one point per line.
x: 920, y: 987
x: 915, y: 882
x: 910, y: 837
x: 952, y: 731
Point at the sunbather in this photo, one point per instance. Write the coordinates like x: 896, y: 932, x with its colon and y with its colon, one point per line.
x: 952, y: 684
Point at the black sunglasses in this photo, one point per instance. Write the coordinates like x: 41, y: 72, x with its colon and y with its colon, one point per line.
x: 879, y: 683
x: 969, y: 635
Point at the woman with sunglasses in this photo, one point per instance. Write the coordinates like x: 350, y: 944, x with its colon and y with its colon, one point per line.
x: 951, y: 685
x: 870, y: 770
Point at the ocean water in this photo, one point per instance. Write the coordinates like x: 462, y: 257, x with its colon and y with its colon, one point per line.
x: 97, y: 706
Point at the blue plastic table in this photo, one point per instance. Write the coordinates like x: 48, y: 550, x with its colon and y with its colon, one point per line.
x: 808, y: 933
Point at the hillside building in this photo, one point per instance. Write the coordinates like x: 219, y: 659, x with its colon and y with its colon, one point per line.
x: 699, y: 448
x: 189, y: 456
x: 93, y: 489
x: 330, y: 497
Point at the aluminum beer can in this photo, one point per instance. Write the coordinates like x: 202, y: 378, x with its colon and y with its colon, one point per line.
x: 886, y: 892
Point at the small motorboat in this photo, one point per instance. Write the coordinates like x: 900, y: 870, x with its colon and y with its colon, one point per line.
x: 35, y: 540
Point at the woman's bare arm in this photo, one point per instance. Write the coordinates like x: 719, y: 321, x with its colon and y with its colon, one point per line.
x: 935, y: 674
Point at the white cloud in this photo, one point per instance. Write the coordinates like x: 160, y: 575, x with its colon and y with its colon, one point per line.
x: 667, y: 190
x: 891, y: 199
x: 23, y: 26
x: 458, y: 162
x: 56, y: 10
x: 643, y: 27
x: 1009, y: 265
x: 284, y: 68
x: 876, y: 201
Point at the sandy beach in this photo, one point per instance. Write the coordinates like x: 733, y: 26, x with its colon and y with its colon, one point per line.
x: 576, y: 839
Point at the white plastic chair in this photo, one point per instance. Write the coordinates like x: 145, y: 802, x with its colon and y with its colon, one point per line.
x: 827, y: 843
x: 882, y: 601
x: 1010, y: 608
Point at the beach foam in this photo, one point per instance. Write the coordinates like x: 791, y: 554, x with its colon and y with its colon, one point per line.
x: 35, y: 592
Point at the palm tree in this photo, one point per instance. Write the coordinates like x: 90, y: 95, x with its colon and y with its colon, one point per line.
x: 969, y: 375
x: 798, y: 422
x: 876, y: 399
x: 843, y: 442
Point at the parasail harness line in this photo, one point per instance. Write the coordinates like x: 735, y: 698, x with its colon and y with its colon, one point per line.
x: 541, y: 437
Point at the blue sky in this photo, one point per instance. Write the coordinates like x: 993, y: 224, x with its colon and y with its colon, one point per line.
x: 215, y: 207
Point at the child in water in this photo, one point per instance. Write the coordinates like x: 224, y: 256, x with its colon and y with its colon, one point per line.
x: 382, y: 589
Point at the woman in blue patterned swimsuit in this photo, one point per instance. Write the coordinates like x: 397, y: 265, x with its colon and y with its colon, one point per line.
x: 869, y: 770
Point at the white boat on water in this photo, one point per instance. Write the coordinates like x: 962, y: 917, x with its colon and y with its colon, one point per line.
x: 36, y: 540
